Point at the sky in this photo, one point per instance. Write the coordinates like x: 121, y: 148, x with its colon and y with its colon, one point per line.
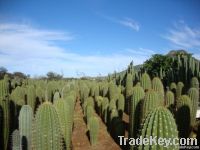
x: 93, y: 37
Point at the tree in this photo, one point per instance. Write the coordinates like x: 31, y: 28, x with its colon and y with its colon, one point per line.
x: 53, y: 76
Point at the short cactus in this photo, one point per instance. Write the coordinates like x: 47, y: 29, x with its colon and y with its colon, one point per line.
x: 16, y: 142
x: 160, y: 124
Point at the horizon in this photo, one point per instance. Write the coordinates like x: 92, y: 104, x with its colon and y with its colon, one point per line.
x: 93, y: 37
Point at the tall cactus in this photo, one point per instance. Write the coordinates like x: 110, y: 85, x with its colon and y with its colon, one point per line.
x: 16, y: 144
x: 31, y: 97
x: 145, y: 81
x: 158, y: 86
x: 150, y: 102
x: 4, y: 108
x: 89, y: 112
x: 46, y: 132
x: 112, y: 91
x: 169, y: 99
x: 159, y: 124
x: 128, y: 90
x: 183, y: 116
x: 25, y: 125
x: 194, y: 83
x: 179, y: 89
x: 104, y: 110
x: 194, y: 96
x: 121, y: 104
x: 135, y: 110
x: 93, y: 127
x: 66, y: 121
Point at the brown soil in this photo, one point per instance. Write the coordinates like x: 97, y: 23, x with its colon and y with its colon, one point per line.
x: 80, y: 139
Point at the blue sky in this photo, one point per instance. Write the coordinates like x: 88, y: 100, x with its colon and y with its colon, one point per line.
x: 93, y: 37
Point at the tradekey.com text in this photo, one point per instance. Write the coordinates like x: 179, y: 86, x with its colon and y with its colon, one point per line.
x: 165, y: 142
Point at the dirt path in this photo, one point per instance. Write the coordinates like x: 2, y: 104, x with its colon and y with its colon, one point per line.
x: 80, y: 139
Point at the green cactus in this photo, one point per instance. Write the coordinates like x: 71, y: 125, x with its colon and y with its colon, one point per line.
x: 66, y: 120
x: 194, y: 83
x: 145, y: 81
x: 46, y: 132
x: 5, y: 111
x: 121, y: 104
x: 135, y: 107
x: 56, y: 96
x: 16, y: 142
x: 150, y: 102
x: 4, y: 89
x: 104, y: 110
x: 31, y: 96
x: 98, y: 100
x: 193, y: 93
x: 173, y: 86
x: 179, y: 89
x: 25, y: 124
x: 93, y: 127
x: 169, y: 99
x: 183, y: 116
x: 89, y: 112
x: 158, y: 86
x: 112, y: 91
x: 160, y: 124
x: 128, y: 90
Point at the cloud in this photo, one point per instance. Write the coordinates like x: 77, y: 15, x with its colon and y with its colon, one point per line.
x: 36, y: 51
x: 128, y: 22
x: 183, y: 36
x: 141, y: 51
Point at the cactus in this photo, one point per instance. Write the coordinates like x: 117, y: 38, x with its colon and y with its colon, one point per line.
x: 104, y: 110
x: 31, y: 97
x: 56, y: 96
x: 160, y: 124
x: 89, y: 112
x: 112, y: 91
x: 145, y: 81
x: 194, y: 83
x: 16, y: 142
x: 4, y: 89
x: 150, y: 102
x: 135, y: 106
x: 179, y: 88
x: 183, y: 116
x: 169, y: 99
x: 25, y: 125
x: 158, y: 86
x: 66, y: 120
x: 194, y: 96
x: 173, y: 86
x: 120, y: 104
x: 5, y: 111
x: 46, y: 132
x: 128, y: 90
x: 93, y: 127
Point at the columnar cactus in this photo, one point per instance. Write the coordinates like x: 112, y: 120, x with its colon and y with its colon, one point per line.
x: 150, y: 102
x: 159, y: 124
x: 4, y: 89
x: 194, y: 96
x: 16, y: 142
x: 194, y: 83
x: 56, y: 96
x: 112, y: 91
x: 89, y: 112
x: 93, y: 127
x: 128, y: 90
x: 169, y: 99
x: 121, y: 104
x: 31, y: 97
x: 145, y: 81
x: 66, y: 120
x: 104, y: 110
x: 46, y: 132
x: 158, y: 86
x: 179, y: 88
x: 135, y: 111
x: 183, y: 116
x: 25, y: 124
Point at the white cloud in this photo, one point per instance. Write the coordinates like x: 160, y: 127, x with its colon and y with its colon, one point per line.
x: 141, y: 51
x: 128, y: 22
x: 35, y: 51
x: 184, y: 36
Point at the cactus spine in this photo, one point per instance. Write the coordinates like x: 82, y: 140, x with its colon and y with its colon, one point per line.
x: 25, y: 125
x: 46, y: 132
x: 160, y: 124
x: 93, y: 127
x: 169, y: 99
